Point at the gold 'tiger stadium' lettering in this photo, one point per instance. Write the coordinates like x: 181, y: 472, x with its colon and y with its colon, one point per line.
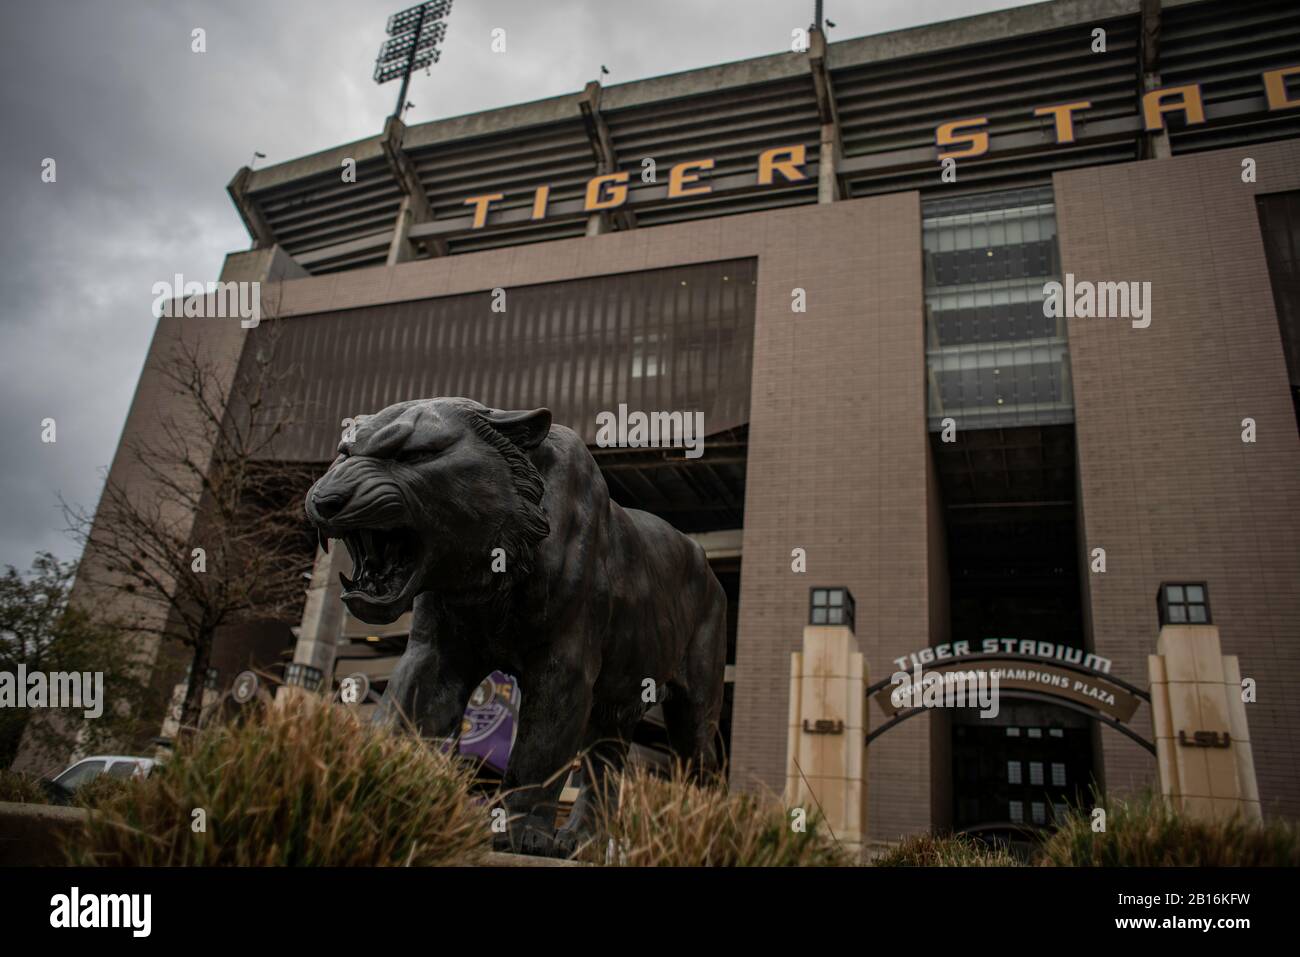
x: 953, y: 139
x: 610, y: 190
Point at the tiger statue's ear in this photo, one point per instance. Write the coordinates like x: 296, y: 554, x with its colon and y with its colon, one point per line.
x: 526, y: 429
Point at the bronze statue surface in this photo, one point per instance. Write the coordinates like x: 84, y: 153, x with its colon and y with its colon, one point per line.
x: 498, y: 529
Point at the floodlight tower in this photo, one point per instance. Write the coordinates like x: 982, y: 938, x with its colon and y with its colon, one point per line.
x: 414, y: 35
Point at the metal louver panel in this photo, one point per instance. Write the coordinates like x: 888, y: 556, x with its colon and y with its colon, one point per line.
x: 730, y: 127
x: 322, y: 210
x: 890, y: 110
x: 514, y: 163
x: 667, y: 340
x: 1225, y: 47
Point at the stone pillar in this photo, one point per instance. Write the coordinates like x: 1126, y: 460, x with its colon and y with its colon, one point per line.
x: 399, y: 250
x: 1206, y: 767
x: 826, y: 757
x: 828, y: 182
x: 322, y: 616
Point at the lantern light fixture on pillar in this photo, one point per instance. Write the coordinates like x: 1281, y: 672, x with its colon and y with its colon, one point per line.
x: 1184, y: 603
x: 831, y: 606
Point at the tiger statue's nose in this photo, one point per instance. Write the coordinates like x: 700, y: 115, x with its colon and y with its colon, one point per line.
x: 328, y: 504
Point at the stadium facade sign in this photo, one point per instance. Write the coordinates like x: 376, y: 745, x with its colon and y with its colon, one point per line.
x: 611, y: 190
x: 1022, y: 647
x: 1021, y: 674
x: 966, y: 138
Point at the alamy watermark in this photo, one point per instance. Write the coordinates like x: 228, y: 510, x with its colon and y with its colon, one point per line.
x: 976, y: 688
x: 216, y: 300
x: 74, y: 909
x: 56, y: 689
x: 654, y: 430
x: 1098, y: 300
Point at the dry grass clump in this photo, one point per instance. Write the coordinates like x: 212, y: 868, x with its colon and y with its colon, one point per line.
x: 100, y: 790
x: 1145, y: 833
x: 954, y: 850
x: 674, y: 822
x: 19, y: 788
x: 302, y: 784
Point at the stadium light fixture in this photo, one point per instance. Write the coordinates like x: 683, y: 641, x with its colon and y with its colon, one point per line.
x: 414, y: 35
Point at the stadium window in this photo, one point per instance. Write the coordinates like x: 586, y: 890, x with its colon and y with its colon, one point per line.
x: 645, y: 361
x: 1279, y: 227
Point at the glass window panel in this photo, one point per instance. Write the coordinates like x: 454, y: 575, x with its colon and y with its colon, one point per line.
x: 996, y: 231
x: 80, y: 774
x: 984, y: 286
x: 1016, y: 811
x: 1013, y: 772
x: 1174, y: 592
x: 1039, y: 812
x: 1035, y: 732
x: 1013, y: 732
x: 1196, y: 613
x: 1058, y: 774
x: 1177, y: 613
x: 1195, y: 593
x: 1035, y: 772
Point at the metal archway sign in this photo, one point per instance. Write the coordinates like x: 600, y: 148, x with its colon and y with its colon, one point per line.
x: 1100, y: 696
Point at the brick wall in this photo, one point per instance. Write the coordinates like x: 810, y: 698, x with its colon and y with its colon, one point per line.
x: 1168, y: 488
x: 837, y: 466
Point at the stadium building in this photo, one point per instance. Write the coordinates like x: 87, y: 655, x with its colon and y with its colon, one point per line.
x: 840, y: 257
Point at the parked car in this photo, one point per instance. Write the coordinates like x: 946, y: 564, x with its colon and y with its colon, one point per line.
x: 82, y: 772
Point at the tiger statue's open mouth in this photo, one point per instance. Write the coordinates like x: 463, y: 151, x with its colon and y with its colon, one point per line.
x: 384, y: 564
x: 386, y: 568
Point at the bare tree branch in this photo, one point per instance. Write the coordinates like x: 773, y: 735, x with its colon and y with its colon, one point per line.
x: 209, y: 477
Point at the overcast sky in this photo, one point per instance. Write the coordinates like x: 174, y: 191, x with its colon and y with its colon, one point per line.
x: 146, y: 135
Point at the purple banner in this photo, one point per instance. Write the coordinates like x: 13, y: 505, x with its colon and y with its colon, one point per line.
x: 487, y: 732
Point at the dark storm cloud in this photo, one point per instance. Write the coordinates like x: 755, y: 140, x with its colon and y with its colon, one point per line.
x: 146, y: 134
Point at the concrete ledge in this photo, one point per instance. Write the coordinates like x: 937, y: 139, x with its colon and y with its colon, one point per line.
x: 30, y: 833
x: 499, y: 859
